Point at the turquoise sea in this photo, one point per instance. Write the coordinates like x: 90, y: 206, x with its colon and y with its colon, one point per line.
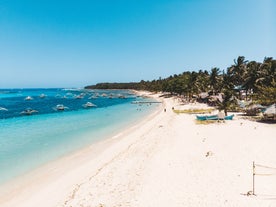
x: 29, y: 141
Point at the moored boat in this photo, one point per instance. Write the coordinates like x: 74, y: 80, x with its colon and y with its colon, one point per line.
x: 79, y: 97
x: 28, y: 111
x: 121, y: 96
x: 60, y: 107
x: 42, y: 95
x: 93, y: 97
x: 88, y: 105
x: 3, y: 109
x: 28, y: 98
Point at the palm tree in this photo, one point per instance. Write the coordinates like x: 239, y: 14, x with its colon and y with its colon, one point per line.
x: 252, y: 77
x: 203, y: 81
x: 269, y: 65
x: 228, y: 100
x: 215, y: 80
x: 193, y: 84
x: 228, y: 93
x: 267, y: 82
x: 238, y: 70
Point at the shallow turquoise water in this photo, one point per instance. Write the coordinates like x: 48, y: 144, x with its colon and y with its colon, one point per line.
x: 27, y: 142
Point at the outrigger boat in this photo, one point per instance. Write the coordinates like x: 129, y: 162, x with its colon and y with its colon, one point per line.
x: 213, y: 117
x: 42, y: 95
x: 28, y: 98
x: 28, y: 111
x: 88, y: 105
x: 206, y: 117
x: 60, y: 107
x: 230, y: 117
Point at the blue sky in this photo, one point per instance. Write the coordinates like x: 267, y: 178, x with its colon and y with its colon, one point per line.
x: 74, y: 43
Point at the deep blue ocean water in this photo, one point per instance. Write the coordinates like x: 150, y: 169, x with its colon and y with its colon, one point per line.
x: 29, y: 141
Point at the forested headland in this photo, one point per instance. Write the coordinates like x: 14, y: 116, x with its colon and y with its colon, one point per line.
x: 244, y: 80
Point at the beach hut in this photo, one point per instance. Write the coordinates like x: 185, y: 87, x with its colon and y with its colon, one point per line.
x: 254, y: 109
x: 270, y: 112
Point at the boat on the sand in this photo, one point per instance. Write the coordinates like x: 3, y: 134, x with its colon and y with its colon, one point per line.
x: 213, y: 117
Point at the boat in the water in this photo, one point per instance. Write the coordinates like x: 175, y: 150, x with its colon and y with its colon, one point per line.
x: 121, y: 96
x: 79, y: 97
x: 28, y: 111
x: 3, y: 109
x: 28, y: 98
x: 42, y: 95
x: 92, y: 97
x: 213, y: 117
x: 88, y: 105
x: 60, y: 107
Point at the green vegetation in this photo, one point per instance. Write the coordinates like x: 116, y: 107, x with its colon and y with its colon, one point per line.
x: 193, y: 111
x: 244, y: 80
x: 206, y: 122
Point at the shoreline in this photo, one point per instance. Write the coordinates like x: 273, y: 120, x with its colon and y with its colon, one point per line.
x: 165, y: 160
x: 53, y: 170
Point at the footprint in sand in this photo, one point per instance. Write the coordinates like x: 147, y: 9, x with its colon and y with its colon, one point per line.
x: 209, y: 153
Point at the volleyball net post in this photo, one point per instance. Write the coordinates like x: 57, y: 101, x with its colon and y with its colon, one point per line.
x: 253, y: 178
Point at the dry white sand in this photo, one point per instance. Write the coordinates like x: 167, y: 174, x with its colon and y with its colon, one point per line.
x: 166, y: 160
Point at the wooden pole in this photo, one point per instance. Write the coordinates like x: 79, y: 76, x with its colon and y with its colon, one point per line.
x: 253, y: 191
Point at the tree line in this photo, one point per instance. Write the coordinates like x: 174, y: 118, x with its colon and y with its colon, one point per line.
x: 257, y: 80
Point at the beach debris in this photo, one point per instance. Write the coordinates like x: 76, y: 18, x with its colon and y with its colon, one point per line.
x: 249, y: 193
x: 209, y: 153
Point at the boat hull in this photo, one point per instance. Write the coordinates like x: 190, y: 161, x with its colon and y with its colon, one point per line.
x: 230, y: 117
x: 213, y: 117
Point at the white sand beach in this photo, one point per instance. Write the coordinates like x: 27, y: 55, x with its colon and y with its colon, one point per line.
x: 166, y: 160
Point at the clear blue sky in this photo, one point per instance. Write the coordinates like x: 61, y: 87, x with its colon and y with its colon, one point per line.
x: 73, y: 43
